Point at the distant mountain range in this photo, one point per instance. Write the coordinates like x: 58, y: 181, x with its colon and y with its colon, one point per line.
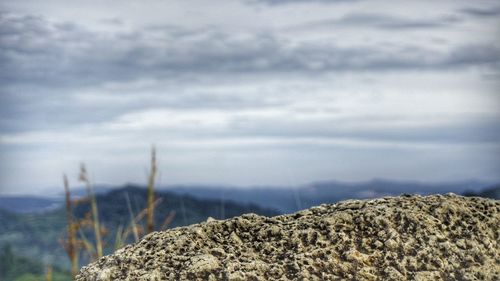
x: 292, y: 199
x: 32, y: 226
x: 28, y: 204
x: 492, y: 192
x: 283, y: 199
x: 36, y: 235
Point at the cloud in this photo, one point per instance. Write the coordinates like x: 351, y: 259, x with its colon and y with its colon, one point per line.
x: 35, y: 51
x: 482, y: 12
x: 286, y: 2
x: 288, y: 123
x: 67, y: 70
x: 475, y: 55
x: 390, y: 22
x: 351, y: 82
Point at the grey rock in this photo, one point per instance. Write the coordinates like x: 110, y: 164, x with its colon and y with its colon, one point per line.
x: 395, y: 238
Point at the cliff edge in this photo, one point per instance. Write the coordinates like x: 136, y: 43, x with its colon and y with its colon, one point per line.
x: 395, y: 238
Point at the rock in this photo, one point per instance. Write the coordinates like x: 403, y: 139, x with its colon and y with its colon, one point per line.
x: 395, y: 238
x: 202, y: 264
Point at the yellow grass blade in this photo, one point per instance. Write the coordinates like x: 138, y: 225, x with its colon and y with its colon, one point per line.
x: 71, y: 246
x: 132, y: 220
x: 168, y: 220
x: 151, y: 183
x: 95, y: 215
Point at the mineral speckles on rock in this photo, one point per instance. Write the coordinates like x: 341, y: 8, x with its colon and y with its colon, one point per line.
x: 202, y: 264
x: 402, y: 238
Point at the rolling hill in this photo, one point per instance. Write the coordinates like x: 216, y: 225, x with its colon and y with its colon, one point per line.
x: 36, y: 235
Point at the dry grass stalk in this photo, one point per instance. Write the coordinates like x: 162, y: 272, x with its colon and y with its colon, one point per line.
x: 85, y: 243
x: 144, y: 212
x: 91, y: 219
x: 120, y: 237
x: 133, y: 223
x: 48, y: 274
x: 95, y: 215
x: 168, y: 220
x: 151, y: 183
x: 134, y: 226
x: 71, y: 245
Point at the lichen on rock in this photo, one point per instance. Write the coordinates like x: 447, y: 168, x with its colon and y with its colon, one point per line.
x: 395, y: 238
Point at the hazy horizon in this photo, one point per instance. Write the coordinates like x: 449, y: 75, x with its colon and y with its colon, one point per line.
x: 58, y: 191
x: 248, y: 92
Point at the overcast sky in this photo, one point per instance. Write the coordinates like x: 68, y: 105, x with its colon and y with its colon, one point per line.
x: 248, y: 92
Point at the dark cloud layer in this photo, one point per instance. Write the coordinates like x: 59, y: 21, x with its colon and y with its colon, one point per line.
x: 391, y: 22
x: 482, y: 12
x: 34, y: 51
x: 44, y: 60
x: 285, y: 2
x: 478, y: 130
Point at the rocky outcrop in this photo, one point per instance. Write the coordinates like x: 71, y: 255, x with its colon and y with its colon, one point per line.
x: 396, y: 238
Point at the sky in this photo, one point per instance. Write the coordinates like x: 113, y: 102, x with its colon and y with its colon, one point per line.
x: 248, y: 92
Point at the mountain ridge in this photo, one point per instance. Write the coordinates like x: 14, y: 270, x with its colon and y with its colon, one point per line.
x: 37, y: 235
x: 287, y: 199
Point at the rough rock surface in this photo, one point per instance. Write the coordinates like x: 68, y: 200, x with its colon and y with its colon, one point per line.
x: 395, y: 238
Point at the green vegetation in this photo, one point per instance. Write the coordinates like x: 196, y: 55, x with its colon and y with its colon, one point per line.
x: 87, y: 228
x: 76, y: 242
x: 38, y: 235
x: 35, y: 235
x: 15, y: 268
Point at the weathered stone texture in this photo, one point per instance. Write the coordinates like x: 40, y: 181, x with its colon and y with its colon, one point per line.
x: 395, y: 238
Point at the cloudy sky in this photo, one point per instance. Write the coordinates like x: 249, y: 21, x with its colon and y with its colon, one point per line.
x: 248, y: 92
